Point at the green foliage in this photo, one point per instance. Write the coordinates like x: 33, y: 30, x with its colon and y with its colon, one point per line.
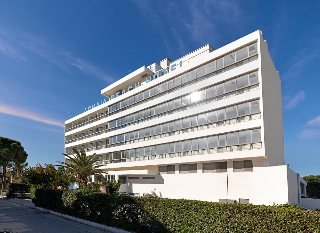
x: 46, y: 177
x: 82, y: 166
x: 17, y: 188
x: 49, y: 199
x: 152, y: 214
x: 113, y: 186
x: 11, y: 153
x: 313, y: 186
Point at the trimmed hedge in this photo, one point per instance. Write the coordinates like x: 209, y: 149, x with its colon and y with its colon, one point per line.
x: 152, y: 214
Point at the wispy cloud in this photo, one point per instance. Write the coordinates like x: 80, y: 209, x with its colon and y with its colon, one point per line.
x: 312, y: 128
x: 26, y: 114
x: 21, y: 46
x: 315, y: 122
x: 293, y: 101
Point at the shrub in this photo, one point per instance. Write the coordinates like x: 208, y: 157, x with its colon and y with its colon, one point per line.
x: 17, y: 188
x: 152, y: 214
x: 49, y: 199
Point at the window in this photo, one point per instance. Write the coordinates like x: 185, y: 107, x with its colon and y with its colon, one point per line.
x: 210, y: 67
x: 214, y: 167
x: 221, y: 115
x: 177, y: 81
x: 164, y: 87
x: 202, y: 142
x: 253, y: 78
x: 219, y: 63
x: 178, y: 146
x: 256, y: 135
x: 222, y: 140
x: 200, y: 71
x: 186, y: 145
x: 220, y: 89
x: 229, y: 59
x: 242, y: 81
x: 146, y: 94
x: 165, y: 128
x: 170, y: 84
x: 186, y: 100
x: 240, y: 166
x: 171, y: 148
x: 213, y: 142
x: 253, y: 49
x: 255, y: 107
x: 194, y: 144
x: 211, y: 92
x: 186, y: 122
x: 202, y: 119
x: 232, y: 139
x: 245, y: 137
x: 231, y: 112
x: 187, y: 168
x: 169, y: 169
x: 171, y: 126
x: 157, y: 130
x: 178, y: 124
x: 194, y: 121
x: 243, y: 109
x: 242, y: 54
x: 177, y: 103
x: 230, y: 86
x: 212, y: 117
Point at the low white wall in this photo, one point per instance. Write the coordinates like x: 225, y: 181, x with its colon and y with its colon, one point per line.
x: 264, y: 185
x: 310, y: 203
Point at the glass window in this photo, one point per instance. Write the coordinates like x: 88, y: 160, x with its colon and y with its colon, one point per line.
x: 213, y: 142
x: 193, y: 75
x: 219, y: 63
x: 146, y: 113
x: 231, y: 112
x: 211, y: 92
x: 146, y: 94
x: 137, y: 152
x: 153, y: 150
x: 188, y: 168
x: 159, y: 150
x: 211, y: 67
x: 202, y: 142
x: 243, y: 109
x: 202, y: 95
x: 164, y: 87
x: 253, y: 78
x: 215, y: 167
x: 171, y: 126
x: 156, y: 90
x: 141, y: 133
x: 132, y: 153
x: 255, y: 106
x: 165, y: 128
x: 238, y: 165
x: 157, y: 109
x: 136, y: 135
x: 200, y: 71
x: 253, y: 49
x: 170, y: 84
x: 242, y: 54
x: 127, y: 137
x: 194, y: 144
x: 151, y: 92
x: 165, y: 148
x: 220, y: 89
x: 221, y: 115
x: 242, y: 81
x: 229, y: 59
x: 256, y: 135
x: 157, y: 130
x: 171, y: 150
x: 186, y: 122
x: 164, y: 107
x: 177, y: 81
x: 222, y: 140
x: 171, y: 169
x: 147, y: 151
x: 162, y: 169
x: 248, y: 164
x: 178, y: 124
x: 186, y: 145
x: 186, y: 100
x: 245, y: 137
x: 151, y: 131
x: 232, y: 139
x: 202, y: 119
x: 178, y: 146
x: 186, y: 78
x: 212, y: 117
x: 170, y: 105
x: 131, y: 136
x: 194, y: 121
x: 177, y: 103
x: 230, y: 85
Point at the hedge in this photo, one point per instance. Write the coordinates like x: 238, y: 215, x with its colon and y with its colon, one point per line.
x: 152, y: 214
x: 15, y: 188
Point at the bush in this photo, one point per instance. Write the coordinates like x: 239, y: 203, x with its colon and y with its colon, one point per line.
x: 152, y: 214
x: 17, y: 188
x: 49, y: 199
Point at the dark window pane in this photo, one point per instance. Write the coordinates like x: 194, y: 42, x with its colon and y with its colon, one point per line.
x: 211, y: 92
x: 231, y: 112
x: 178, y: 124
x: 253, y: 77
x: 243, y: 109
x: 212, y: 117
x: 213, y: 142
x: 232, y: 139
x: 245, y: 137
x: 242, y: 54
x: 229, y: 59
x: 202, y: 143
x: 202, y: 119
x: 211, y: 67
x: 255, y: 106
x: 222, y: 140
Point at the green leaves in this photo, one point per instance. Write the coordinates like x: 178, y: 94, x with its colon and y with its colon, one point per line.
x: 313, y: 187
x: 153, y: 214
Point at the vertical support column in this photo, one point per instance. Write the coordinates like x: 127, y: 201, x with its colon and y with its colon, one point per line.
x: 199, y: 167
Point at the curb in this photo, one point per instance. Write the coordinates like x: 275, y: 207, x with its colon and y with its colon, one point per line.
x: 74, y: 219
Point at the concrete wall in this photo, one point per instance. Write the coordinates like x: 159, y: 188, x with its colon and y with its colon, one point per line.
x: 271, y: 108
x: 310, y: 203
x: 264, y: 185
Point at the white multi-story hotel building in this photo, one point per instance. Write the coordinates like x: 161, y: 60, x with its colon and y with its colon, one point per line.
x: 206, y: 126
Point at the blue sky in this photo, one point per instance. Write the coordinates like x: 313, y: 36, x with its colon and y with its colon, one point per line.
x: 56, y: 56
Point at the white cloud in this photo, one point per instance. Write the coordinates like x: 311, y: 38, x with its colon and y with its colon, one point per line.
x: 9, y: 50
x: 26, y: 114
x: 315, y: 122
x: 310, y: 133
x: 293, y: 101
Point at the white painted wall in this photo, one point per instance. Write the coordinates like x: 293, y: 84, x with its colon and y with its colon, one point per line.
x: 310, y: 203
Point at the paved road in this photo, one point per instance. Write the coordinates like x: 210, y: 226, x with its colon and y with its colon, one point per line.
x: 16, y: 218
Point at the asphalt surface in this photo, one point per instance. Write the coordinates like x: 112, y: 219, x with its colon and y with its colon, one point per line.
x: 17, y: 218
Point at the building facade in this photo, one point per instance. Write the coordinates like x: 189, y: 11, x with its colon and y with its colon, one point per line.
x: 207, y: 126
